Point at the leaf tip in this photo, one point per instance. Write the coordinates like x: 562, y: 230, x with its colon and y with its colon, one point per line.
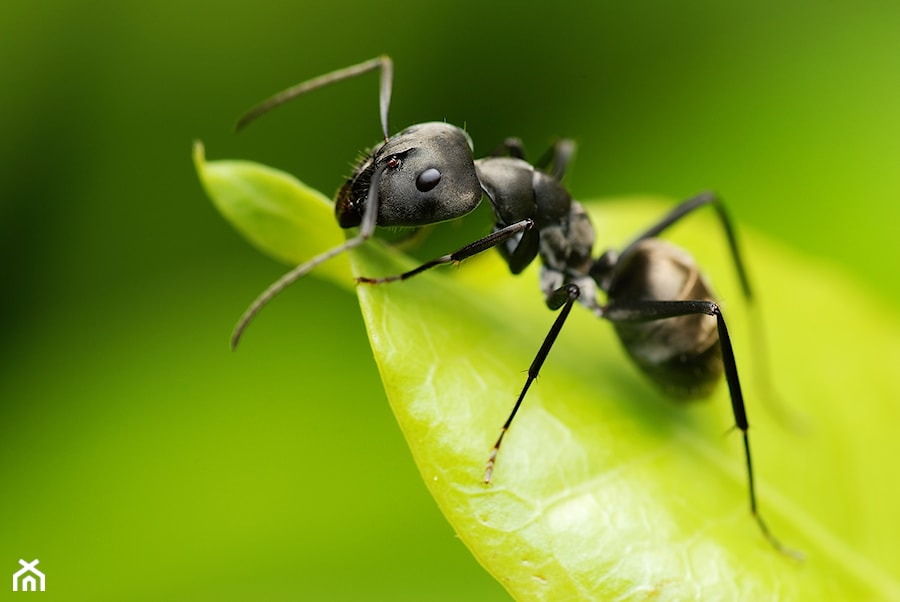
x: 199, y: 153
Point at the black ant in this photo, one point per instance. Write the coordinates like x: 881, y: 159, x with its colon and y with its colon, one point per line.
x: 657, y: 299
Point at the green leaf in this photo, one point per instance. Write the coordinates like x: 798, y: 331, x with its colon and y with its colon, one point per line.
x: 606, y: 489
x: 277, y: 213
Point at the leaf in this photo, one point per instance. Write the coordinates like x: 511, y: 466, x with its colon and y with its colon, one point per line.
x: 277, y: 213
x: 605, y: 489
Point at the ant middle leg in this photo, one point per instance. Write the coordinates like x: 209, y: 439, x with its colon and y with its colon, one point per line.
x: 563, y: 297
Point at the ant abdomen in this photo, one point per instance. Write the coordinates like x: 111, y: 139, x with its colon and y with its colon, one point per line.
x: 682, y: 354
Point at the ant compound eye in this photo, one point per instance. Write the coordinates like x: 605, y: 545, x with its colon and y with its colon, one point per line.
x: 428, y: 179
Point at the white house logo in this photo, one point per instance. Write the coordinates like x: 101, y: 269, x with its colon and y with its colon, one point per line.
x: 28, y: 578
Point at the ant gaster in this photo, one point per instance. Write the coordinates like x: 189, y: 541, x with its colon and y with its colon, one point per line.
x: 657, y: 299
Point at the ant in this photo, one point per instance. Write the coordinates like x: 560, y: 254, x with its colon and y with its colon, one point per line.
x: 657, y: 299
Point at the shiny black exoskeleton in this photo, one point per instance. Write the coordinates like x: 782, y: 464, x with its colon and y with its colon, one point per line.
x: 656, y: 298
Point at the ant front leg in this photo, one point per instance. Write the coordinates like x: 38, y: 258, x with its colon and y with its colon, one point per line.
x: 510, y: 147
x: 563, y: 297
x: 554, y: 161
x: 648, y: 311
x: 482, y: 244
x: 556, y: 158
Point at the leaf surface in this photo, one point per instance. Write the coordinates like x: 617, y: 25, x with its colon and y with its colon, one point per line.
x: 604, y: 488
x: 274, y: 211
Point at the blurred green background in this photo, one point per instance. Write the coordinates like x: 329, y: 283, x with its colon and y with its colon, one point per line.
x: 140, y: 459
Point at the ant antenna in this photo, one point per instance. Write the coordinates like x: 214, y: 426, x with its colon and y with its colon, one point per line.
x: 370, y: 215
x: 367, y: 228
x: 382, y: 62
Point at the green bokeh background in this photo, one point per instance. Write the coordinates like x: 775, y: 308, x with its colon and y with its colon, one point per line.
x: 140, y: 459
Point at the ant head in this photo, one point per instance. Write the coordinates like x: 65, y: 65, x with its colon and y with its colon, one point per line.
x: 429, y: 177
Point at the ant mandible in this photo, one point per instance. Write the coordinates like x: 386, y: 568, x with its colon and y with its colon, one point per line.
x: 657, y: 299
